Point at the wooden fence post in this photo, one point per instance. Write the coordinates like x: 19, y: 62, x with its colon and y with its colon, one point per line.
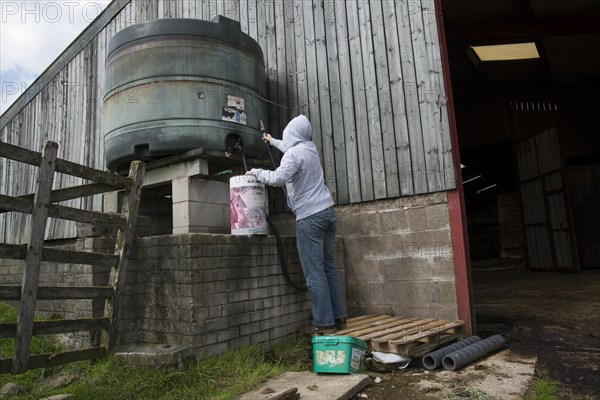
x: 124, y: 244
x: 31, y: 275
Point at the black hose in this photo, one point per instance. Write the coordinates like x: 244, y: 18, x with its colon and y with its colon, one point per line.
x: 282, y: 260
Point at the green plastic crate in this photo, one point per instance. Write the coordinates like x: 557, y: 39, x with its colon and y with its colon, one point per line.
x: 338, y: 354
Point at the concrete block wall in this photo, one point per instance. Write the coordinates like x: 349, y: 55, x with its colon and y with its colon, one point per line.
x: 214, y: 292
x: 200, y: 205
x: 398, y: 257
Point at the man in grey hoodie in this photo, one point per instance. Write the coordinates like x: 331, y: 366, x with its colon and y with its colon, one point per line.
x: 316, y: 221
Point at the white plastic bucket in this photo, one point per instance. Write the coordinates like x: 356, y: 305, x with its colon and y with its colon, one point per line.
x: 248, y: 206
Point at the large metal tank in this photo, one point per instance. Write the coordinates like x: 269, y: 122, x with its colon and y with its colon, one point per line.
x: 173, y: 85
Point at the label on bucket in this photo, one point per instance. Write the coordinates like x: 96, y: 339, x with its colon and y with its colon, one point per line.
x: 247, y: 201
x: 330, y: 357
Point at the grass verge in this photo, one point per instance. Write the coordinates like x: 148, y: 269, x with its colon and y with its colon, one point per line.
x: 220, y: 378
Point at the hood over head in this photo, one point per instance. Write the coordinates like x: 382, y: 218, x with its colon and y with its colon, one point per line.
x: 298, y: 130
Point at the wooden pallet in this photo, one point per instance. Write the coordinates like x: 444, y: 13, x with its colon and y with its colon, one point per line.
x: 409, y: 337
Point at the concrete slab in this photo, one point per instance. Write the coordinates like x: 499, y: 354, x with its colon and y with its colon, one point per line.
x: 154, y: 355
x: 504, y: 375
x: 311, y: 386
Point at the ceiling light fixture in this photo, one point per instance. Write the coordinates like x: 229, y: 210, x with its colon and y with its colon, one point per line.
x: 507, y: 52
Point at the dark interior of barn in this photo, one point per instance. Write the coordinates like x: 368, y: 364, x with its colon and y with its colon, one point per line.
x: 528, y: 129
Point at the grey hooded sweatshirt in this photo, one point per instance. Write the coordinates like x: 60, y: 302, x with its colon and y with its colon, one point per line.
x: 300, y: 170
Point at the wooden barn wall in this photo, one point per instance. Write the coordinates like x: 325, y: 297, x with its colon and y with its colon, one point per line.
x: 367, y: 73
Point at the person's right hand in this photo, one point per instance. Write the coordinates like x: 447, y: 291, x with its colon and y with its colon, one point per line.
x: 267, y: 137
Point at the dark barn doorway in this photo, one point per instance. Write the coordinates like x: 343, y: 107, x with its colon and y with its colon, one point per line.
x: 525, y: 78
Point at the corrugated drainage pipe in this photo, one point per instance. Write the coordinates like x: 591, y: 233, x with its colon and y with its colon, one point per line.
x: 472, y: 352
x: 433, y: 360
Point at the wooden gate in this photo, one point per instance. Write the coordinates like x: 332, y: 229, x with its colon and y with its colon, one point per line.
x: 40, y: 206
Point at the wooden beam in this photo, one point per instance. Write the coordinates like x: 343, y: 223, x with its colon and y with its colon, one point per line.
x: 66, y: 167
x: 527, y: 29
x: 60, y: 326
x: 89, y: 217
x: 55, y: 211
x: 17, y: 153
x: 95, y: 175
x: 74, y: 192
x: 13, y: 292
x: 54, y: 360
x: 125, y: 241
x: 210, y: 155
x: 33, y: 258
x: 19, y: 251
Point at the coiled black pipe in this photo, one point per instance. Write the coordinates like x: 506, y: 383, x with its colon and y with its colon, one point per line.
x: 472, y: 352
x: 433, y: 360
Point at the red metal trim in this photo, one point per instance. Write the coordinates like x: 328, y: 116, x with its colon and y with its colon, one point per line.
x: 456, y: 200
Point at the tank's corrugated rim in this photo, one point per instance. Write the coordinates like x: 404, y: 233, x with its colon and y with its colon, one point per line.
x: 220, y: 28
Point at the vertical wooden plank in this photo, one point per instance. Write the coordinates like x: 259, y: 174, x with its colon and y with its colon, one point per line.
x: 449, y: 169
x: 221, y: 7
x: 140, y: 12
x: 397, y: 98
x: 198, y: 6
x: 290, y: 50
x: 160, y: 9
x: 358, y: 88
x: 321, y: 89
x: 124, y: 244
x: 346, y: 102
x: 232, y: 9
x: 426, y: 95
x: 271, y: 63
x: 244, y: 16
x: 437, y: 95
x: 282, y: 75
x: 261, y: 28
x: 33, y: 259
x: 330, y: 19
x: 372, y: 103
x: 151, y: 11
x: 170, y: 9
x: 388, y: 138
x: 188, y: 9
x: 307, y: 75
x: 413, y: 113
x: 305, y: 72
x: 91, y: 119
x: 3, y: 183
x: 254, y: 15
x: 19, y: 173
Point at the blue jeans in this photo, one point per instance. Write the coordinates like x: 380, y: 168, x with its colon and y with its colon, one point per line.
x: 315, y: 236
